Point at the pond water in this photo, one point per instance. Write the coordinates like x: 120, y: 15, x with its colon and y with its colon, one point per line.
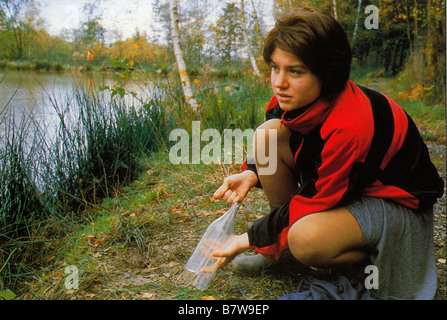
x: 29, y: 116
x: 32, y: 95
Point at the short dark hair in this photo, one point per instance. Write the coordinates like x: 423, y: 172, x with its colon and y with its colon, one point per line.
x: 319, y: 41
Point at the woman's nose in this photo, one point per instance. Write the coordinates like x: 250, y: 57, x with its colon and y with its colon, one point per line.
x: 280, y: 80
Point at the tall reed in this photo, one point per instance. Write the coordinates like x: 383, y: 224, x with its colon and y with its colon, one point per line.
x: 22, y: 205
x: 46, y: 182
x: 228, y: 104
x: 98, y: 147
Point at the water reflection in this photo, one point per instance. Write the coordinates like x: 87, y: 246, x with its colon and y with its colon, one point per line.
x: 31, y: 105
x: 32, y: 95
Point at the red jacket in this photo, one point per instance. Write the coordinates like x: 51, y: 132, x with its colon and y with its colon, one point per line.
x: 332, y: 143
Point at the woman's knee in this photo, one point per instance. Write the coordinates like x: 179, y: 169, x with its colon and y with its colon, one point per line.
x: 303, y: 244
x: 326, y: 238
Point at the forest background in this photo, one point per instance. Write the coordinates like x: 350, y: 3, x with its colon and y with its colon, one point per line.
x: 410, y: 32
x: 105, y: 194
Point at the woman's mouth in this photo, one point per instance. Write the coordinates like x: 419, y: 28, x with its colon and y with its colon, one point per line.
x: 282, y: 97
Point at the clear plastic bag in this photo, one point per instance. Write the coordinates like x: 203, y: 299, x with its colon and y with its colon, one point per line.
x: 199, y: 269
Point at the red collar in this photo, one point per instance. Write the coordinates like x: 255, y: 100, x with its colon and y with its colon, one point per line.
x: 310, y: 119
x: 317, y: 113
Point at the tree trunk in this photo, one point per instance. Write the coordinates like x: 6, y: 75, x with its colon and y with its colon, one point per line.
x: 356, y: 23
x: 410, y: 40
x: 19, y: 44
x: 418, y: 56
x: 334, y: 6
x: 247, y: 41
x: 258, y: 33
x: 184, y: 79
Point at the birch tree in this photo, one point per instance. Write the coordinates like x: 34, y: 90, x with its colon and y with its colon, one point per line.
x: 334, y: 8
x: 247, y: 41
x: 259, y: 38
x: 178, y: 52
x: 356, y: 22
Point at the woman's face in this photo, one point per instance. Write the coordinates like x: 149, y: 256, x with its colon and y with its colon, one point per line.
x: 292, y: 82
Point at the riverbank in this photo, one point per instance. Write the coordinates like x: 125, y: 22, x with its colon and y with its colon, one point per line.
x: 34, y: 65
x: 221, y: 72
x: 55, y: 66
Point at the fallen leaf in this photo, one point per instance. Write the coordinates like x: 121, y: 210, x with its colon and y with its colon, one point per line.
x: 208, y: 298
x: 140, y: 281
x: 146, y: 295
x: 7, y: 295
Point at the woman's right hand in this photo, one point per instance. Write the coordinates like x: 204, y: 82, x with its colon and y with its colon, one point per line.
x: 235, y: 187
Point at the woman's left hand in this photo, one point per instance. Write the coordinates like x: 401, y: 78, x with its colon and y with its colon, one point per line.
x: 227, y: 251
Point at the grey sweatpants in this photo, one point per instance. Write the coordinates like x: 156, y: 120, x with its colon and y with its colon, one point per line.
x: 400, y: 242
